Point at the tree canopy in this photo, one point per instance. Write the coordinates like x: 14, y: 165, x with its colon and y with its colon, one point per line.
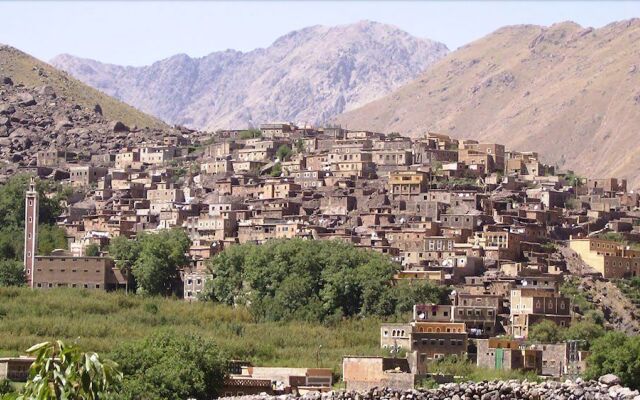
x: 171, y: 366
x: 618, y: 354
x: 155, y: 258
x: 312, y: 280
x: 284, y: 152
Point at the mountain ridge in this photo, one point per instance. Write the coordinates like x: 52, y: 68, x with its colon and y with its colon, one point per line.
x: 311, y: 75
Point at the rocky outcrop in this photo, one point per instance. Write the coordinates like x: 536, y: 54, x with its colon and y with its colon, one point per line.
x: 35, y: 119
x: 607, y: 388
x: 308, y: 75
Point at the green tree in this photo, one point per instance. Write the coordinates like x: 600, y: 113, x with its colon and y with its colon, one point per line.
x: 11, y: 243
x: 161, y: 254
x: 545, y: 332
x: 171, y: 366
x: 12, y: 273
x: 618, y: 354
x: 63, y: 371
x: 250, y: 134
x: 284, y: 152
x: 124, y: 251
x: 92, y: 250
x: 276, y: 170
x: 313, y: 281
x: 51, y: 237
x: 12, y: 207
x: 584, y: 330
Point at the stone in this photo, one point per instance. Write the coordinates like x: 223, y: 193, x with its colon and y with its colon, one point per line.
x: 609, y: 379
x: 6, y: 81
x: 26, y: 100
x: 6, y: 109
x: 117, y: 126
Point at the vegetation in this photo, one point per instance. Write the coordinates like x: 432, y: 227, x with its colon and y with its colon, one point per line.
x: 50, y: 238
x: 464, y: 370
x: 169, y: 365
x: 92, y: 250
x: 631, y: 289
x: 276, y: 170
x: 12, y: 210
x: 98, y: 321
x: 250, y: 134
x: 284, y: 152
x: 312, y: 281
x: 155, y: 259
x: 11, y: 273
x: 616, y: 353
x: 62, y: 371
x: 571, y: 288
x: 573, y: 179
x: 548, y: 332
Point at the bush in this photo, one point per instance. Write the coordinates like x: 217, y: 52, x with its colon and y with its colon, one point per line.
x: 92, y: 250
x: 618, y: 354
x: 171, y: 366
x: 12, y: 273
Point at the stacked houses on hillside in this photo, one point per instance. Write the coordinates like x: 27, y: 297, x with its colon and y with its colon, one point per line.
x: 472, y: 215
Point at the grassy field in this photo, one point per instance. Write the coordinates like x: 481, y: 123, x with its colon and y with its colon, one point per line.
x: 99, y: 321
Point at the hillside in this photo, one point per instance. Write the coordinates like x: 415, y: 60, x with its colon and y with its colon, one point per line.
x: 309, y: 75
x: 568, y: 92
x: 23, y: 69
x: 33, y: 119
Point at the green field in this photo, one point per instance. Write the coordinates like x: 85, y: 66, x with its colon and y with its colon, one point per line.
x: 101, y: 321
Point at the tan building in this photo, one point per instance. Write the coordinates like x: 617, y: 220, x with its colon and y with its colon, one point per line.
x: 611, y: 259
x: 365, y: 373
x: 531, y: 306
x: 408, y: 183
x: 78, y: 272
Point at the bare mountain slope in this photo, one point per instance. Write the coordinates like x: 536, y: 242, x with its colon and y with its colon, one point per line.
x: 309, y: 75
x: 21, y: 68
x: 571, y: 93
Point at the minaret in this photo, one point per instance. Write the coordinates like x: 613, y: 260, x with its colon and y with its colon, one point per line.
x: 30, y: 230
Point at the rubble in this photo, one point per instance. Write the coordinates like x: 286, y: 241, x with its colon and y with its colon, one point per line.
x: 607, y: 388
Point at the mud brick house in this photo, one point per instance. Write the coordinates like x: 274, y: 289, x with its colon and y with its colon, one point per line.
x: 428, y: 340
x: 531, y: 306
x: 611, y: 259
x: 408, y: 184
x: 505, y: 354
x: 365, y: 373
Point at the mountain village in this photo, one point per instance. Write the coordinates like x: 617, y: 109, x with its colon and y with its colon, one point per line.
x: 485, y: 220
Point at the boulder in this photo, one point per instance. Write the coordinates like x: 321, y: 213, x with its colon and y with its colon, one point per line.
x: 117, y: 126
x: 6, y: 81
x: 47, y: 91
x: 26, y: 100
x: 6, y: 109
x: 609, y: 380
x: 97, y: 109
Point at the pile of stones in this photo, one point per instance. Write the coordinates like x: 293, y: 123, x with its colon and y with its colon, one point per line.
x: 606, y: 388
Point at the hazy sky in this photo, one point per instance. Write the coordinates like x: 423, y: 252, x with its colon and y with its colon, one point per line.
x: 138, y: 33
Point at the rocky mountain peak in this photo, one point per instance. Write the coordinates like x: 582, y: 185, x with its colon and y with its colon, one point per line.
x: 308, y: 75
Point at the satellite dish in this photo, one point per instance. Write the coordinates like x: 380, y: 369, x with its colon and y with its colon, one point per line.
x: 421, y: 315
